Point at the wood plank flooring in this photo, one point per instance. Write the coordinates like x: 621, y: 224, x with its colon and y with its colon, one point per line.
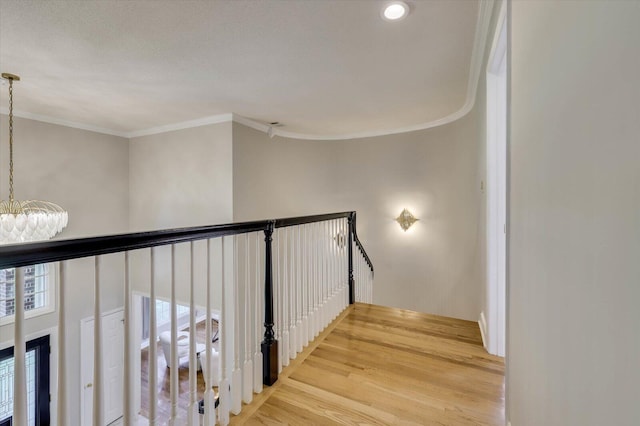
x: 385, y: 366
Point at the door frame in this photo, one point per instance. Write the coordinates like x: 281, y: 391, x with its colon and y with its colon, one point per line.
x: 42, y: 345
x: 497, y: 189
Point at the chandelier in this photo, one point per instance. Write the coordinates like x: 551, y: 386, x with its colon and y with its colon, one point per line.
x: 32, y: 220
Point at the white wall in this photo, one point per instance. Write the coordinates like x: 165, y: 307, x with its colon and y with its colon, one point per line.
x: 434, y: 267
x: 574, y: 271
x: 88, y: 174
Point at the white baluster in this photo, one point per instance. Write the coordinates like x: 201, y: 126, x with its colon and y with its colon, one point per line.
x: 277, y: 298
x: 153, y: 345
x: 310, y: 284
x: 316, y: 277
x: 325, y: 272
x: 314, y: 281
x: 19, y: 352
x: 98, y: 385
x: 301, y: 285
x: 192, y: 415
x: 225, y: 331
x: 209, y: 403
x: 247, y: 369
x: 333, y: 270
x: 286, y: 305
x: 236, y: 374
x: 300, y: 329
x: 257, y: 355
x: 319, y: 274
x: 129, y: 415
x: 173, y: 375
x: 62, y: 347
x: 293, y: 338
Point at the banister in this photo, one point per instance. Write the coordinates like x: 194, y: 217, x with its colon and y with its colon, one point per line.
x: 321, y: 309
x: 360, y: 246
x: 17, y: 255
x: 301, y: 220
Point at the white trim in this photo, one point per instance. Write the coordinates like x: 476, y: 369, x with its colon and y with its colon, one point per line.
x: 251, y: 123
x: 65, y: 123
x: 499, y: 44
x: 496, y: 190
x: 50, y: 306
x: 214, y: 119
x: 477, y: 57
x: 482, y: 323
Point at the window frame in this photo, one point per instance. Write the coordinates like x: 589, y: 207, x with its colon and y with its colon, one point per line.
x: 50, y: 302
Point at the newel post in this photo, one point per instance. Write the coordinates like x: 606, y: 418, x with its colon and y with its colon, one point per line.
x: 352, y: 286
x: 269, y: 344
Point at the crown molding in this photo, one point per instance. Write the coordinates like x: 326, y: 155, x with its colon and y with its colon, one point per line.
x: 213, y: 119
x: 65, y: 123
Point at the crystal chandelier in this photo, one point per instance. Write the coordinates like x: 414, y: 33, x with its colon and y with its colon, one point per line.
x: 32, y: 220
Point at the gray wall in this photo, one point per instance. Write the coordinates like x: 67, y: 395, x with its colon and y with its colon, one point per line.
x: 88, y: 174
x: 573, y: 341
x: 181, y: 178
x: 434, y: 267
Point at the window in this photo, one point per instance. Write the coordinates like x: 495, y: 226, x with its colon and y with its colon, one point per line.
x: 37, y: 289
x: 37, y: 363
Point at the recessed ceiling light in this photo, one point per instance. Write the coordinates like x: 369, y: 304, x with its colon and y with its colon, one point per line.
x: 395, y: 11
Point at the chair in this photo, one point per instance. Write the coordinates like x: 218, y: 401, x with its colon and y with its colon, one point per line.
x: 215, y: 357
x: 183, y: 346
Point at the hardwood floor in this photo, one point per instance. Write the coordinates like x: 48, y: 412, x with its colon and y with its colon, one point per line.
x: 373, y: 365
x: 384, y: 366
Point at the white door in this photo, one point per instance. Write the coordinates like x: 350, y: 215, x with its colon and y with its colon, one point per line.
x: 113, y: 362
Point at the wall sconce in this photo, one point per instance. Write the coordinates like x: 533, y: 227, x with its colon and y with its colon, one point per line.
x: 340, y: 239
x: 406, y: 219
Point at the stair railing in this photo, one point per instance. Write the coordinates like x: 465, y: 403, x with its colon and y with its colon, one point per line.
x: 276, y: 284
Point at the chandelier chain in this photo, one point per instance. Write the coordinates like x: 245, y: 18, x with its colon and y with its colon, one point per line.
x: 11, y: 141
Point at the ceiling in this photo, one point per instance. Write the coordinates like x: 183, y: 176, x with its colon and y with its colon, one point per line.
x: 323, y: 68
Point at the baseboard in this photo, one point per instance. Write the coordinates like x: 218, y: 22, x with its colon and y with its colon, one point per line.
x: 482, y: 322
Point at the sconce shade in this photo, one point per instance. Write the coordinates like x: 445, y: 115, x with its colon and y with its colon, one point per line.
x: 406, y: 219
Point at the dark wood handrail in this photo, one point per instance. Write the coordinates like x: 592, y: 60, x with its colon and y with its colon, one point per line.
x: 360, y: 246
x: 17, y: 255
